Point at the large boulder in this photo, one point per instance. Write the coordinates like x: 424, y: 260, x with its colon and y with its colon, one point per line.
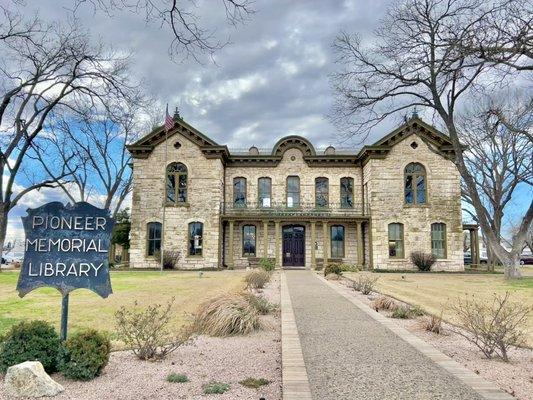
x: 29, y: 379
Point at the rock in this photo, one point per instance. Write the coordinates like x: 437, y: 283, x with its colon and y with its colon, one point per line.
x: 29, y: 379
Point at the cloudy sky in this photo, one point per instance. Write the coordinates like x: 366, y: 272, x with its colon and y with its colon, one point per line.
x: 270, y: 81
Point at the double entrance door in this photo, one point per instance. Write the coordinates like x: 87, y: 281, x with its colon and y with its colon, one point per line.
x: 293, y: 246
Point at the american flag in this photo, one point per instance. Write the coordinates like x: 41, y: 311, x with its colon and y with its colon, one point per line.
x: 169, y: 121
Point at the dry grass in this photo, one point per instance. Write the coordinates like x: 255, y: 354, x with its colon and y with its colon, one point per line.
x: 433, y: 323
x: 226, y: 315
x: 257, y: 278
x: 87, y: 309
x: 384, y: 303
x: 434, y: 292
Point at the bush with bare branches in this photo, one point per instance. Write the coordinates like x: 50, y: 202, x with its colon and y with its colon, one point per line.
x: 146, y: 330
x: 364, y: 283
x: 423, y: 261
x: 493, y: 326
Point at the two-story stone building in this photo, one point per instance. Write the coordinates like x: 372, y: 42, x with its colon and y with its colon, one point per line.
x: 294, y: 203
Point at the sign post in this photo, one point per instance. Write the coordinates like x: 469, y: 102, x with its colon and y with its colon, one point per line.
x: 67, y: 248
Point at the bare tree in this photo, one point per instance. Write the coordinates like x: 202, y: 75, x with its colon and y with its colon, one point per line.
x: 417, y: 60
x: 92, y: 148
x: 189, y: 38
x: 47, y: 70
x: 497, y: 158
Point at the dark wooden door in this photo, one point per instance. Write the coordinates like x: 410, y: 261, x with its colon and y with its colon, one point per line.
x: 293, y: 246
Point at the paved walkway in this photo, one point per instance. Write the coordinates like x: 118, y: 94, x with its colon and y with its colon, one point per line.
x: 350, y: 355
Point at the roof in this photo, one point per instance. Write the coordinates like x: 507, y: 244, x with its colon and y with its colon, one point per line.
x: 314, y: 157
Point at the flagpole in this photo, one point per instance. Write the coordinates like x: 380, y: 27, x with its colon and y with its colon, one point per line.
x: 165, y: 196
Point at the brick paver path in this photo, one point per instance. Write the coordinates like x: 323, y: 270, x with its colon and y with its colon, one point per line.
x: 349, y: 355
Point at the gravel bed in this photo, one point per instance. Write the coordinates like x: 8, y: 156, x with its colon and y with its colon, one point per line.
x: 515, y: 377
x: 208, y: 359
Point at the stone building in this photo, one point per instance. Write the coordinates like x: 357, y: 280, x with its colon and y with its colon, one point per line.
x: 295, y: 204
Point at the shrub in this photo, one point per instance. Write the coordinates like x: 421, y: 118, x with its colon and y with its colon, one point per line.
x: 254, y: 383
x: 349, y: 268
x: 433, y: 324
x: 423, y: 261
x: 384, y: 303
x: 216, y: 388
x: 146, y: 330
x: 257, y: 279
x: 30, y: 341
x: 401, y: 312
x: 493, y: 326
x: 177, y: 378
x: 225, y: 315
x: 84, y: 355
x: 267, y: 264
x: 364, y: 283
x: 170, y: 258
x: 332, y: 269
x: 416, y: 311
x: 261, y: 304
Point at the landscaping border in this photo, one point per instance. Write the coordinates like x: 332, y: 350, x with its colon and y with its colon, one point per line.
x: 295, y: 383
x: 484, y: 388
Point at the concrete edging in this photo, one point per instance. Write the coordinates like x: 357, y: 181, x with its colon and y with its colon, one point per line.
x: 483, y: 387
x: 295, y: 383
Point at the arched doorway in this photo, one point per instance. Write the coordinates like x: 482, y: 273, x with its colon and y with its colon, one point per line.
x: 293, y: 246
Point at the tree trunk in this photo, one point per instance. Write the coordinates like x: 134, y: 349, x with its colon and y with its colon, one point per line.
x: 4, y: 211
x: 512, y: 268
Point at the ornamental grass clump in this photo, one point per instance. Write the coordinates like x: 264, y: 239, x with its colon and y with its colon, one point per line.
x: 216, y: 388
x: 384, y: 303
x: 257, y: 279
x: 433, y: 324
x: 146, y: 330
x: 226, y: 315
x: 262, y: 305
x: 268, y: 264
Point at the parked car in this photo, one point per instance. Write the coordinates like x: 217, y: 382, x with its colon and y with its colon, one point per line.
x: 526, y: 259
x: 467, y: 258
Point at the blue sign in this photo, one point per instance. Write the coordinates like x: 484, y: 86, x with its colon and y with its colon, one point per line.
x: 67, y: 248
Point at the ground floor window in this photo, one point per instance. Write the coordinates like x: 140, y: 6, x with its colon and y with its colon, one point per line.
x: 195, y: 238
x: 337, y: 241
x: 154, y: 238
x: 248, y: 240
x: 396, y: 241
x: 438, y: 240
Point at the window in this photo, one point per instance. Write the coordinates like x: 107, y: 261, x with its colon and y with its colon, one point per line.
x: 415, y: 184
x: 248, y: 240
x: 346, y: 192
x: 438, y: 240
x: 264, y: 191
x: 293, y: 191
x: 321, y: 192
x: 195, y: 238
x: 396, y: 240
x: 176, y: 183
x: 337, y: 241
x: 153, y: 238
x: 239, y: 192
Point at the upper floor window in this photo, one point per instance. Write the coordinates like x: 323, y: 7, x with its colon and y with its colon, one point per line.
x: 264, y: 191
x: 438, y: 240
x: 196, y: 230
x: 396, y: 241
x: 293, y: 191
x: 337, y: 241
x: 176, y: 183
x: 239, y: 191
x: 347, y: 192
x: 321, y: 192
x: 415, y: 184
x: 248, y: 240
x: 153, y: 238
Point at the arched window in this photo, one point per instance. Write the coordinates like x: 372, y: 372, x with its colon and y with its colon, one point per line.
x: 176, y: 183
x: 264, y: 194
x: 196, y: 230
x: 293, y: 191
x: 415, y: 184
x: 248, y: 240
x: 337, y: 241
x: 438, y: 240
x: 239, y: 192
x: 153, y: 238
x: 346, y: 192
x: 321, y: 192
x: 396, y: 241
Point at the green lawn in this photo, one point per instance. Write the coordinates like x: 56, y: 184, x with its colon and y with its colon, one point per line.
x: 88, y: 310
x: 435, y: 292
